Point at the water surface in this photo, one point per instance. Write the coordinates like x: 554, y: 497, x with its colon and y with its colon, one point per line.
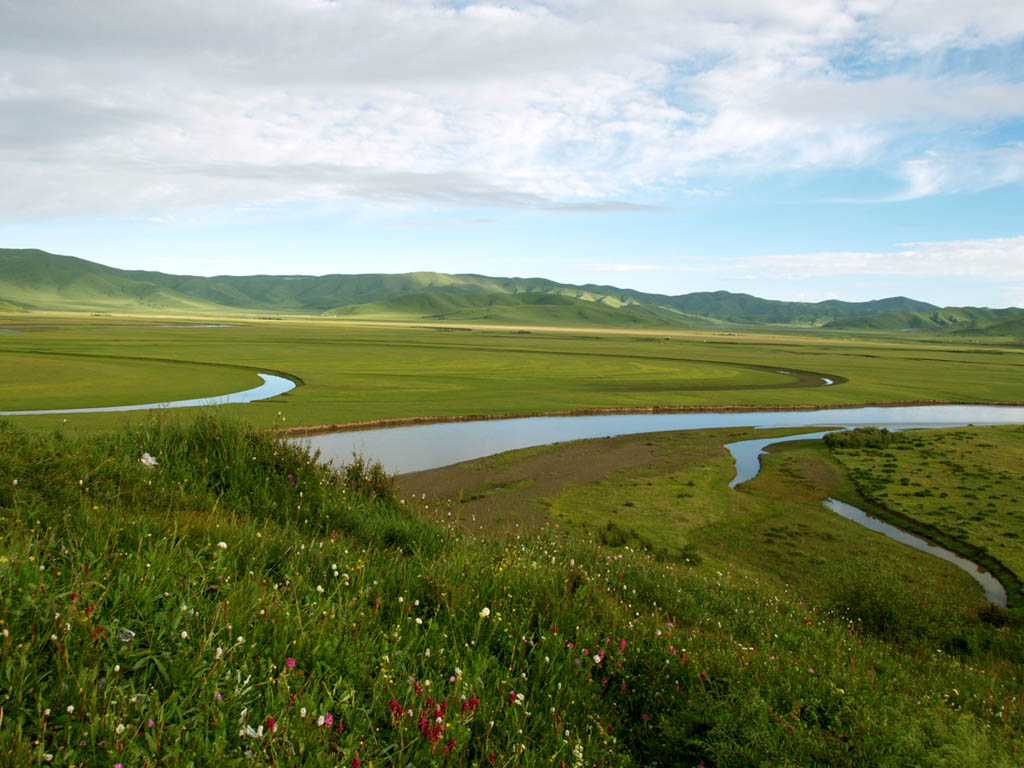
x: 271, y: 387
x: 994, y: 591
x: 429, y: 446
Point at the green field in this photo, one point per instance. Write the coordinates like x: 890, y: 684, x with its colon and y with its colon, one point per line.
x: 354, y: 372
x: 239, y: 602
x: 237, y: 605
x: 966, y: 483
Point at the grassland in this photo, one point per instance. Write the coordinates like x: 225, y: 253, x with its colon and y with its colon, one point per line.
x: 354, y: 372
x: 668, y: 493
x: 236, y: 604
x: 964, y: 483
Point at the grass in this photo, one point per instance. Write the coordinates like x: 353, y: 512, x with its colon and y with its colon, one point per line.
x: 354, y: 372
x: 239, y: 604
x: 964, y: 483
x: 668, y: 493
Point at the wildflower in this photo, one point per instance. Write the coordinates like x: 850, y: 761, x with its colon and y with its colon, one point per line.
x: 222, y: 544
x: 485, y: 612
x: 302, y: 713
x: 597, y: 658
x: 71, y: 709
x: 291, y: 480
x: 646, y: 718
x: 125, y: 635
x: 218, y: 696
x: 146, y: 461
x: 184, y: 635
x: 150, y: 724
x: 419, y: 620
x: 355, y: 761
x: 319, y: 589
x: 290, y: 662
x: 271, y: 725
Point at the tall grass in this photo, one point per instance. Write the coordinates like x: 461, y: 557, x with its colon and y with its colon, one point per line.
x: 239, y: 604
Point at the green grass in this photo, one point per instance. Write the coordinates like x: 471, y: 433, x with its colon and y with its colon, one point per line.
x: 354, y: 373
x: 238, y: 604
x: 965, y: 483
x: 87, y: 382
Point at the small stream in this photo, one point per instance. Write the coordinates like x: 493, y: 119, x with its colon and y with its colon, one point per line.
x: 994, y: 591
x: 272, y: 386
x: 747, y: 454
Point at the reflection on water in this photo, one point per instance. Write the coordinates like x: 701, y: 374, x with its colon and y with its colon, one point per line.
x: 994, y: 591
x: 271, y: 387
x: 428, y: 446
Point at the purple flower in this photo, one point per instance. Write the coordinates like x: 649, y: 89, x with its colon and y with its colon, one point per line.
x: 291, y: 480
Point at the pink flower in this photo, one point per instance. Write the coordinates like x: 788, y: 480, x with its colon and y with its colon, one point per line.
x: 328, y: 719
x: 271, y: 725
x: 289, y: 662
x: 646, y: 718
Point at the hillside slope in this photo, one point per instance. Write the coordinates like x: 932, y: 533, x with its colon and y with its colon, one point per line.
x: 37, y: 280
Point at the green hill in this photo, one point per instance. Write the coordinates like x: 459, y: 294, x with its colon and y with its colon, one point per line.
x: 37, y: 280
x: 32, y: 279
x: 975, y: 321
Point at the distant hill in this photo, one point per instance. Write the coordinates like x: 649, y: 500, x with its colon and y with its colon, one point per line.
x: 964, y: 321
x: 37, y: 280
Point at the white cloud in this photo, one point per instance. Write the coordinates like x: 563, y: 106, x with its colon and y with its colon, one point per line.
x: 109, y: 106
x: 998, y: 260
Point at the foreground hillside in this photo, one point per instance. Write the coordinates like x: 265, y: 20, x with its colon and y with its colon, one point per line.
x: 207, y: 595
x: 36, y: 280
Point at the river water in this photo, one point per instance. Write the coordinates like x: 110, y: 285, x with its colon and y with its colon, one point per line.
x: 272, y: 386
x: 429, y: 446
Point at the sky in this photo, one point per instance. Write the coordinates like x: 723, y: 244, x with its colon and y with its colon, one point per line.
x: 803, y: 150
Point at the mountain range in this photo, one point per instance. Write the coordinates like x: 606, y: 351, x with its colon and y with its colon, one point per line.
x: 36, y: 280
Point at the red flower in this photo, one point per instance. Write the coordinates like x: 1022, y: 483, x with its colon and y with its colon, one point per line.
x: 271, y: 725
x: 355, y: 761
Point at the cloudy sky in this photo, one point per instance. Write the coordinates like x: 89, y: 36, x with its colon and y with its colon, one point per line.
x: 795, y: 150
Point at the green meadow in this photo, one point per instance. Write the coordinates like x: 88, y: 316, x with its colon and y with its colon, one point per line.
x: 351, y: 372
x: 183, y: 588
x: 229, y: 602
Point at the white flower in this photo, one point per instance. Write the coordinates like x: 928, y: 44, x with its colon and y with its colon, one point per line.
x: 419, y: 620
x: 220, y: 652
x: 184, y: 634
x: 597, y: 658
x: 485, y: 612
x: 125, y: 635
x: 302, y: 712
x: 147, y: 460
x: 120, y: 729
x: 319, y: 589
x: 71, y: 709
x: 222, y: 544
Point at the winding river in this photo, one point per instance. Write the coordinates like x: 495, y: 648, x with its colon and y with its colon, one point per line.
x: 272, y: 386
x: 429, y: 446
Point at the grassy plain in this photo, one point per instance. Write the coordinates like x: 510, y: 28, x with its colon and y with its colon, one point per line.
x: 966, y: 483
x: 668, y: 493
x: 352, y: 372
x: 266, y: 611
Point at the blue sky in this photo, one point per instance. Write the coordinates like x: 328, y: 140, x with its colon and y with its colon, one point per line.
x: 823, y: 149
